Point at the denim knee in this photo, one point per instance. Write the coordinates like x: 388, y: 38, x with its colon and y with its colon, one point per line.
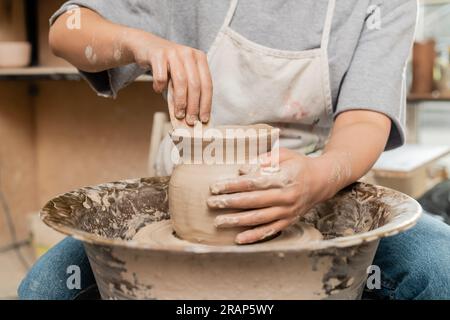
x: 431, y: 267
x: 416, y: 263
x: 47, y: 279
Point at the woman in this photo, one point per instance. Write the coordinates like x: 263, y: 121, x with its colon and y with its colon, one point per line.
x: 330, y: 75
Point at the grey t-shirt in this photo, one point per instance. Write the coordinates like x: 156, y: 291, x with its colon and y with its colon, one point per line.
x: 369, y: 45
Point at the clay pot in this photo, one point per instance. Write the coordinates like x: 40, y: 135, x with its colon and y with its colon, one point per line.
x: 191, y: 180
x: 15, y: 54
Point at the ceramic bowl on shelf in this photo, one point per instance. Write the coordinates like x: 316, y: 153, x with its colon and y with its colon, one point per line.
x: 15, y: 54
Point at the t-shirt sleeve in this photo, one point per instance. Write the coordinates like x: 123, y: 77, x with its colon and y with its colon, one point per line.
x: 147, y: 15
x: 375, y: 79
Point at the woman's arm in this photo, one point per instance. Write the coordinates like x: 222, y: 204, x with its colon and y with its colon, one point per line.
x: 96, y: 46
x: 100, y: 45
x: 357, y: 141
x: 275, y: 201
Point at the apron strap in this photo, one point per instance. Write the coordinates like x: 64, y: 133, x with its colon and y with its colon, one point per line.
x: 328, y: 24
x: 230, y: 13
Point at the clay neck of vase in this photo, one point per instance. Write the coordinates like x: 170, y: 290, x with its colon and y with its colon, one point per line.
x: 227, y: 145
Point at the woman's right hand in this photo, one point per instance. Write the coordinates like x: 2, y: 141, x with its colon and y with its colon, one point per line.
x: 186, y: 68
x: 101, y: 45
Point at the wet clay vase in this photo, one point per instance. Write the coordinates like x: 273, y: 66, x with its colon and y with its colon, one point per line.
x: 205, y: 157
x: 15, y: 54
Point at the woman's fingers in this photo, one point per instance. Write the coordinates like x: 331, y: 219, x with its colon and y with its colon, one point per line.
x: 159, y: 71
x: 191, y: 80
x: 194, y: 86
x: 252, y: 218
x: 205, y: 86
x: 276, y: 157
x: 249, y: 169
x: 257, y: 177
x: 253, y: 199
x: 180, y: 86
x: 264, y: 231
x: 251, y: 182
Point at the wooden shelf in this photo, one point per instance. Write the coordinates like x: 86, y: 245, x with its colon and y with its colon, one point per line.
x: 71, y: 74
x: 428, y: 97
x: 433, y: 2
x: 39, y: 73
x: 48, y: 73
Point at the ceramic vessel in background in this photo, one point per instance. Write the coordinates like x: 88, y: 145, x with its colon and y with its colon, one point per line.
x: 15, y: 54
x: 424, y: 56
x: 191, y: 180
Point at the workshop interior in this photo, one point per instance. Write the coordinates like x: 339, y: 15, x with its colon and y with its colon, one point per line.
x: 80, y: 162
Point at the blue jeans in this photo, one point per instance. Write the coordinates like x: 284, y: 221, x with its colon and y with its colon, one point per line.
x: 414, y: 265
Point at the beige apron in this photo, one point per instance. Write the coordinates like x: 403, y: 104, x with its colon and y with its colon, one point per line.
x: 257, y: 84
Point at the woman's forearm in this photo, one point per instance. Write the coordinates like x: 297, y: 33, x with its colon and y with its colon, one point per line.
x: 99, y: 45
x: 95, y: 46
x: 357, y: 141
x: 272, y: 202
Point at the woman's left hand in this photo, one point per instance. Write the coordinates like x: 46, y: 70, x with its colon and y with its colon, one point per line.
x: 272, y: 200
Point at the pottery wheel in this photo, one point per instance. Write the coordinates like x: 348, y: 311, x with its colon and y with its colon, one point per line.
x: 161, y: 234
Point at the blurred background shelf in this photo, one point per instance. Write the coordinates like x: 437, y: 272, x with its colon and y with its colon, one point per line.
x: 40, y: 73
x: 433, y: 2
x: 48, y: 73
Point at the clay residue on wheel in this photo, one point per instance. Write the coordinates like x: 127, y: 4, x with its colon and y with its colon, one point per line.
x: 114, y: 210
x: 119, y: 210
x: 356, y: 209
x: 334, y: 269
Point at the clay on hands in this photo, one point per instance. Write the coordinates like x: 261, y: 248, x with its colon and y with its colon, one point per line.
x: 272, y: 199
x: 189, y: 186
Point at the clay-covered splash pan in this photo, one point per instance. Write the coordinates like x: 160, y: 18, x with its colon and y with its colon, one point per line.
x: 106, y: 217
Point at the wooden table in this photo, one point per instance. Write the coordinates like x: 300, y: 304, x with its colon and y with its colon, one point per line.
x: 412, y: 169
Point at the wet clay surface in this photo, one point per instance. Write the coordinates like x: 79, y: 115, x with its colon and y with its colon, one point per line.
x: 114, y: 210
x: 354, y: 210
x: 127, y: 233
x: 120, y: 210
x: 161, y: 233
x: 221, y: 152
